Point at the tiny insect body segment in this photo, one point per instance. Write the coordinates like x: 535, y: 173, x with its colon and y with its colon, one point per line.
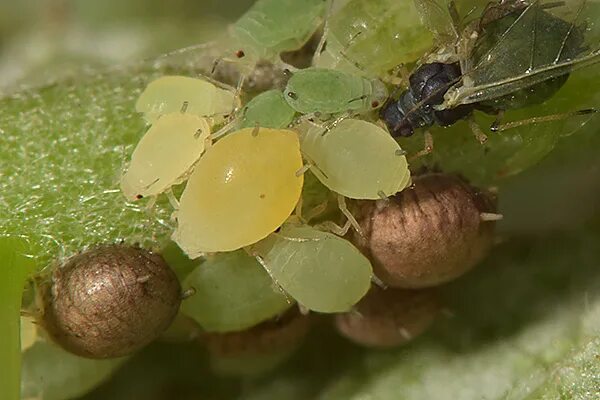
x: 513, y: 55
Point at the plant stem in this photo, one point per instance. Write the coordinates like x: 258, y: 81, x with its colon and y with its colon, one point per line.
x: 14, y: 270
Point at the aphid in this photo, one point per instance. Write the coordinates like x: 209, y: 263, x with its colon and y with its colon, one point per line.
x: 516, y: 54
x: 109, y: 301
x: 372, y: 37
x: 242, y: 189
x: 357, y: 159
x: 271, y: 27
x: 427, y: 235
x: 170, y: 94
x: 388, y: 317
x: 258, y: 349
x: 166, y: 155
x: 268, y: 110
x: 328, y: 91
x: 321, y: 271
x: 232, y: 292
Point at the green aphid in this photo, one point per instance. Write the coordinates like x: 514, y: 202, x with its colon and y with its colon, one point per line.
x: 328, y: 91
x: 232, y: 292
x: 357, y: 159
x: 268, y: 110
x: 372, y: 37
x: 271, y: 27
x: 321, y: 271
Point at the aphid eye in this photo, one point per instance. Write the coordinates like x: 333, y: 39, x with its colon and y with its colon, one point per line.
x: 139, y: 197
x: 375, y: 104
x: 292, y: 95
x: 240, y: 53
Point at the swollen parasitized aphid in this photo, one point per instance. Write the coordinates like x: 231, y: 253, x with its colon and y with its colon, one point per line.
x: 165, y: 155
x: 327, y: 91
x: 356, y: 159
x: 321, y: 271
x: 243, y: 188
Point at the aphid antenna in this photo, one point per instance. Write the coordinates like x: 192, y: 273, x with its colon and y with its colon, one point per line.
x: 143, y: 279
x: 490, y: 217
x: 323, y: 39
x: 332, y: 124
x: 498, y: 127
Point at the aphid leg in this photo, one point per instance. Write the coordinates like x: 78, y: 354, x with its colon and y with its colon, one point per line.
x: 335, y: 228
x: 476, y: 129
x: 172, y: 199
x: 537, y: 120
x: 488, y: 217
x: 150, y: 204
x: 344, y: 209
x: 426, y: 150
x: 225, y: 129
x: 316, y: 211
x: 378, y: 282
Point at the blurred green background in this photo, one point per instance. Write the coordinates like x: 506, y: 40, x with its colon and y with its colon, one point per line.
x: 45, y: 39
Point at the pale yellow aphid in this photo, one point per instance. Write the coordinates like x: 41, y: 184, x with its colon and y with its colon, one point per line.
x: 165, y: 155
x: 191, y: 95
x: 357, y: 159
x: 243, y: 188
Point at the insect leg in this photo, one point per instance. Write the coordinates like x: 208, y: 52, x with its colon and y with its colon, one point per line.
x: 427, y: 149
x: 498, y: 127
x: 344, y: 209
x: 172, y: 199
x: 479, y: 135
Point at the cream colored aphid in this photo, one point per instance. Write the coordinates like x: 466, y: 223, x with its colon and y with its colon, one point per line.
x: 357, y: 159
x: 200, y: 97
x: 165, y: 155
x: 321, y: 271
x: 242, y: 189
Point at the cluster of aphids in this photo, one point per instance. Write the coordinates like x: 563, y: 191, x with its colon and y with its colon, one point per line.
x: 248, y: 210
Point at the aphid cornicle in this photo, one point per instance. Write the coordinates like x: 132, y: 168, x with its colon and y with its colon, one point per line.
x: 516, y: 54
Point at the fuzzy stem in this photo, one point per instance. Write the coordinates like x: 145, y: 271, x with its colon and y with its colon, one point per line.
x: 16, y: 267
